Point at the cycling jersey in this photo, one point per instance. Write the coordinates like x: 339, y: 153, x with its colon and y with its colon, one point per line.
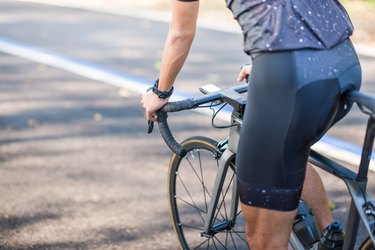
x: 279, y: 25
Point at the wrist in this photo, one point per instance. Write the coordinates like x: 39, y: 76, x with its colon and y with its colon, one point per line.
x: 161, y: 94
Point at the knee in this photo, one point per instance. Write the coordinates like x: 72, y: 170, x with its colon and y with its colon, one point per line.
x: 267, y: 229
x: 262, y: 240
x: 259, y: 241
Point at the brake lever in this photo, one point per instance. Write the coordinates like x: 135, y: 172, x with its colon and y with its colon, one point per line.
x: 150, y: 127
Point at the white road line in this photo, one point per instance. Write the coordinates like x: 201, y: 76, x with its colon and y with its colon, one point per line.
x: 329, y: 146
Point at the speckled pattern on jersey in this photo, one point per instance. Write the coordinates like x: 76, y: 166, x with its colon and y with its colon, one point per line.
x: 278, y: 25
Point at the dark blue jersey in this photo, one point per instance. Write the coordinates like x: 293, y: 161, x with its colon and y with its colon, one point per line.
x: 279, y: 25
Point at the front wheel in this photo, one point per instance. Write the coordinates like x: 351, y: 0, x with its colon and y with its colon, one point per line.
x: 367, y: 244
x: 191, y: 182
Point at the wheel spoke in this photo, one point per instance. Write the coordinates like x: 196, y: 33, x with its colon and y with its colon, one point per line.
x: 191, y: 205
x: 202, y: 178
x: 234, y: 242
x: 213, y: 242
x: 219, y: 241
x: 204, y: 242
x: 191, y: 198
x: 191, y: 227
x: 199, y: 178
x: 224, y: 194
x: 239, y: 234
x: 226, y: 237
x: 240, y: 212
x: 191, y: 186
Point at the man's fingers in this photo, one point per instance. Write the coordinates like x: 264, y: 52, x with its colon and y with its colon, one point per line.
x: 245, y: 71
x: 151, y: 116
x: 151, y: 104
x: 241, y: 76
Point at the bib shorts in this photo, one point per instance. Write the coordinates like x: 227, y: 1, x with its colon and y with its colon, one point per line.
x: 294, y: 97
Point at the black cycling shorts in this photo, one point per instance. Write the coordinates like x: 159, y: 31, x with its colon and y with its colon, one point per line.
x: 294, y: 97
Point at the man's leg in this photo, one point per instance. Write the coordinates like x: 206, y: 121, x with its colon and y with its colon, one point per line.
x: 314, y: 194
x: 270, y: 229
x: 267, y: 229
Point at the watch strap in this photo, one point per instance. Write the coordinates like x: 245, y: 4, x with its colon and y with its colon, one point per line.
x: 159, y: 93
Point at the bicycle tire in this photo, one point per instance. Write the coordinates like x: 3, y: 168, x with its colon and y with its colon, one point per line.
x: 191, y: 180
x: 367, y: 244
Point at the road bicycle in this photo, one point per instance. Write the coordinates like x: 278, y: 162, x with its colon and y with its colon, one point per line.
x: 203, y: 198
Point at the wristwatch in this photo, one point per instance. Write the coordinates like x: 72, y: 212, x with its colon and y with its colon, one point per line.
x: 161, y: 94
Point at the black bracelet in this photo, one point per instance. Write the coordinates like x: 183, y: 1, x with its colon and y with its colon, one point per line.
x: 161, y: 94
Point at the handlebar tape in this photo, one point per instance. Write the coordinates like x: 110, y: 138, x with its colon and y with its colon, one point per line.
x: 178, y: 106
x: 164, y: 128
x: 167, y: 135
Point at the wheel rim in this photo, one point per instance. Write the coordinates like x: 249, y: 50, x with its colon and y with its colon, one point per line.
x: 367, y: 244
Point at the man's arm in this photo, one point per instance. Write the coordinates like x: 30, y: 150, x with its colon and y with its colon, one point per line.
x: 176, y: 49
x: 180, y: 37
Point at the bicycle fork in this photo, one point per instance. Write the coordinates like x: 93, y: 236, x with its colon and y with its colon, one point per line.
x: 209, y: 229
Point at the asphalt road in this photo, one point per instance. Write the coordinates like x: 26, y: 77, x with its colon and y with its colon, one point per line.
x: 77, y: 169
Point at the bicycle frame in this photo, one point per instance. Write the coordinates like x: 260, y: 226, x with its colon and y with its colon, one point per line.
x: 362, y: 205
x: 228, y: 155
x: 355, y: 182
x: 209, y: 229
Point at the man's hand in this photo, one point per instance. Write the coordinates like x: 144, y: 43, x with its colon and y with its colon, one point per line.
x: 245, y: 72
x: 152, y: 103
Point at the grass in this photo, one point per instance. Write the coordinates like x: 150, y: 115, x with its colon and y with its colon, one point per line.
x: 362, y: 14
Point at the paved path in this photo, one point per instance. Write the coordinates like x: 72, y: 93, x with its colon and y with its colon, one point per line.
x: 77, y: 170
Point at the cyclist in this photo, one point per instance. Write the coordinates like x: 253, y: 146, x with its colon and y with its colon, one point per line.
x: 313, y: 191
x: 302, y: 62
